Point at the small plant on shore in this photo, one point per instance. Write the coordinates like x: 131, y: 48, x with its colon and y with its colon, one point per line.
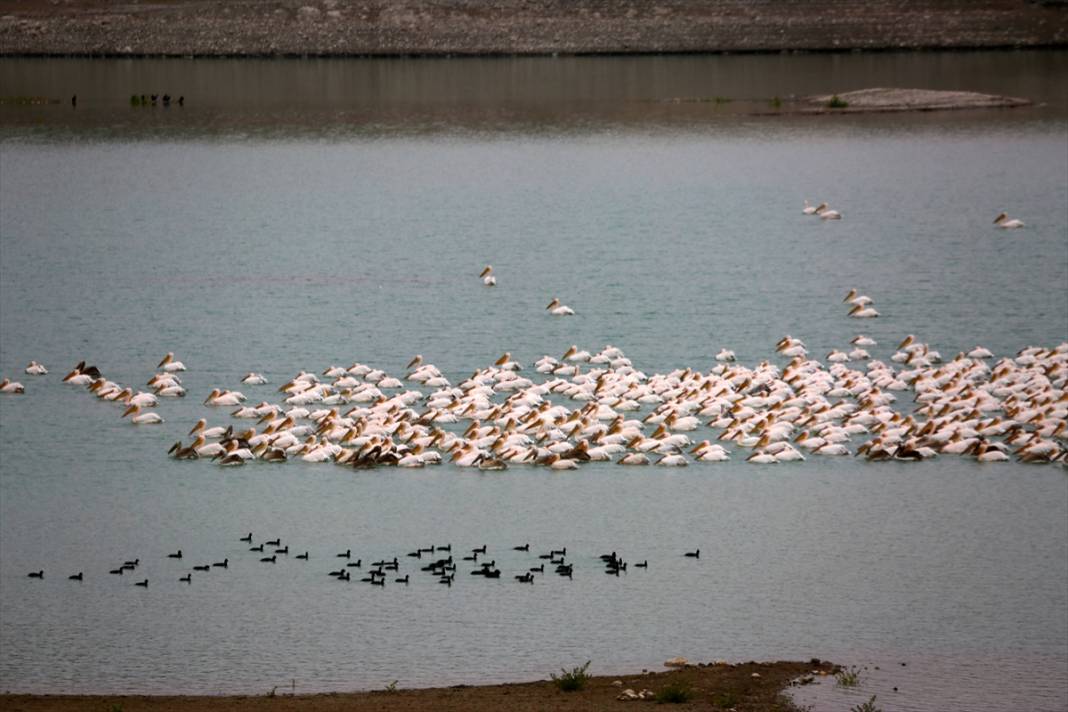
x: 391, y: 687
x: 837, y: 102
x: 570, y: 681
x: 848, y: 678
x: 115, y: 708
x: 722, y: 100
x: 776, y: 102
x: 868, y: 706
x: 726, y: 700
x: 271, y: 693
x: 675, y: 692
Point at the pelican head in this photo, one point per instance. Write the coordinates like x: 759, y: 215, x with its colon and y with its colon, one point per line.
x: 1000, y: 217
x: 487, y: 271
x: 554, y: 303
x: 166, y: 359
x: 418, y: 360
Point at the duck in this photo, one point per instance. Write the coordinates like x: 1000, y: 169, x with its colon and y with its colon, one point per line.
x: 557, y: 309
x: 169, y: 365
x: 1006, y: 223
x: 75, y: 577
x: 224, y: 564
x: 247, y: 538
x: 188, y: 578
x: 268, y: 559
x: 302, y: 557
x: 693, y: 554
x: 7, y: 386
x: 487, y: 277
x: 205, y: 567
x: 36, y: 574
x: 36, y: 369
x: 175, y: 555
x: 142, y: 584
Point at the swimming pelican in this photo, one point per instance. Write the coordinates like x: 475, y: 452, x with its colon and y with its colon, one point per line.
x: 7, y: 386
x: 1005, y: 222
x: 169, y: 365
x: 725, y: 355
x: 828, y: 214
x: 416, y: 362
x: 855, y: 299
x: 861, y: 340
x: 862, y: 312
x: 218, y: 397
x: 36, y: 369
x: 140, y: 418
x: 254, y: 379
x: 813, y: 209
x: 557, y: 309
x: 487, y: 277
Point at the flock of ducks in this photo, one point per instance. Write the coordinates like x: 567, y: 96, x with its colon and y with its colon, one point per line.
x: 437, y: 564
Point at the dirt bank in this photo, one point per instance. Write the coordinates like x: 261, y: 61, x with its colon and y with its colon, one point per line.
x: 747, y: 687
x: 436, y: 27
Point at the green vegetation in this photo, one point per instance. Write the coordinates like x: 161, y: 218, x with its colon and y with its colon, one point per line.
x: 776, y: 102
x: 837, y: 102
x: 575, y: 679
x: 722, y: 100
x: 675, y: 692
x: 726, y: 700
x: 848, y: 678
x: 868, y: 706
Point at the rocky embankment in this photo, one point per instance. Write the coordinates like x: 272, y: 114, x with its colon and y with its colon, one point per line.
x: 440, y: 27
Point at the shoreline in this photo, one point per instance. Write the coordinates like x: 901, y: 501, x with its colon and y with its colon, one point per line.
x: 453, y: 28
x: 753, y: 686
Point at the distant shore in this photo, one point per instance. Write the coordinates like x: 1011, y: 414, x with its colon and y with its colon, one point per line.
x: 758, y: 687
x: 279, y: 28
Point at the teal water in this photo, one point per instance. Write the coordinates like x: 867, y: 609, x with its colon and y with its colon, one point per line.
x: 259, y: 234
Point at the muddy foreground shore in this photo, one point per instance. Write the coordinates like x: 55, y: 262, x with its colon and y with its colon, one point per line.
x: 745, y: 687
x: 473, y: 27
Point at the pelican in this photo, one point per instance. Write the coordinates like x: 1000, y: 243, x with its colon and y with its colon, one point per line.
x: 36, y: 369
x: 416, y: 362
x: 140, y: 418
x: 254, y: 379
x: 487, y: 277
x: 855, y: 299
x: 218, y: 397
x: 725, y: 355
x: 169, y: 365
x: 828, y: 214
x: 1005, y: 222
x: 861, y: 340
x: 202, y: 428
x: 7, y: 386
x: 557, y: 309
x: 862, y: 312
x: 813, y: 209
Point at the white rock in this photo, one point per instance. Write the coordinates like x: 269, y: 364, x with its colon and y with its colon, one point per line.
x: 617, y: 683
x: 676, y: 662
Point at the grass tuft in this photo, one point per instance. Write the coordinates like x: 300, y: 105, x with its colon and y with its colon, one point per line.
x: 848, y: 678
x: 837, y: 102
x: 675, y: 692
x: 868, y: 706
x: 570, y: 681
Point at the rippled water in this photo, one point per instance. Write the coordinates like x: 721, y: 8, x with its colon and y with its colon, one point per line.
x: 259, y: 233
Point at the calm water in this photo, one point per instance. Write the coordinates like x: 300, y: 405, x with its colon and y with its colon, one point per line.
x: 301, y: 214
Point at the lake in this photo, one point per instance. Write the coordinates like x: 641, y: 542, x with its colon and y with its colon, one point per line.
x: 299, y: 214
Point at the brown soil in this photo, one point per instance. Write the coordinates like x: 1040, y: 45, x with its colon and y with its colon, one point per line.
x: 713, y: 686
x: 437, y: 27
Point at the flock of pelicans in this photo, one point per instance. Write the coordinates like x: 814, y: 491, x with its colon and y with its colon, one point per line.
x: 585, y: 406
x: 438, y: 563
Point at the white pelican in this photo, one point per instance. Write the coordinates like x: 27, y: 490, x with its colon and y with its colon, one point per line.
x: 633, y: 458
x: 557, y: 309
x: 1005, y: 222
x: 7, y: 386
x: 725, y: 355
x: 854, y: 298
x: 573, y: 354
x: 487, y: 277
x: 140, y: 418
x: 862, y: 312
x: 169, y: 365
x: 218, y: 397
x: 980, y: 352
x: 254, y: 379
x: 36, y: 369
x: 828, y: 214
x: 813, y: 209
x: 861, y: 340
x: 202, y: 428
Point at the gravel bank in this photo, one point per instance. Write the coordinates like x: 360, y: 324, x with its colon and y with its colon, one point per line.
x: 475, y: 27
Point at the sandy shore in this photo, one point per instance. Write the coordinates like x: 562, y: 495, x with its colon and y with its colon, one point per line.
x: 440, y: 27
x: 746, y: 687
